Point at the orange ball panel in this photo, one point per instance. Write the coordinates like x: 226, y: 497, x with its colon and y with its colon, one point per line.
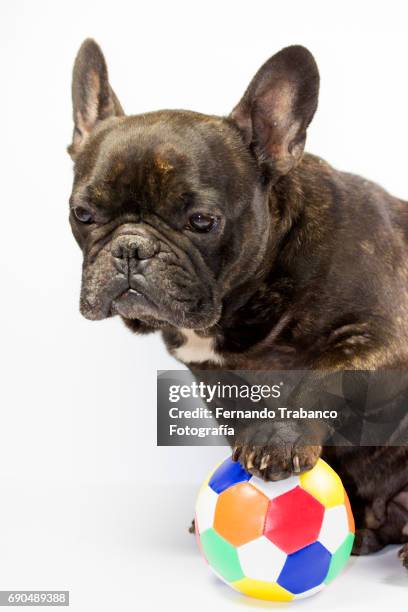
x: 240, y: 513
x: 350, y: 516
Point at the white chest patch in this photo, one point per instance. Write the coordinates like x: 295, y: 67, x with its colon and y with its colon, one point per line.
x: 197, y: 349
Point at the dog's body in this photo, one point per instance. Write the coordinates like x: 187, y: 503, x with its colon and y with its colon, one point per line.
x: 247, y: 254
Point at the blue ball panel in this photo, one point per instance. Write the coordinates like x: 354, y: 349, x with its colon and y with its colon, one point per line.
x: 305, y: 569
x: 229, y: 473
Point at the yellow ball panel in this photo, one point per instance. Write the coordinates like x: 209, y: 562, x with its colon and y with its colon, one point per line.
x: 324, y: 484
x: 262, y: 590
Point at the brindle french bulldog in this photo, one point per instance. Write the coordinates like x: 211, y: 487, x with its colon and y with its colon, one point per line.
x: 247, y: 254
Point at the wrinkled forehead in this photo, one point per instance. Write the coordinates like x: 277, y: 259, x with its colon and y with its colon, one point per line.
x: 127, y: 163
x: 159, y: 145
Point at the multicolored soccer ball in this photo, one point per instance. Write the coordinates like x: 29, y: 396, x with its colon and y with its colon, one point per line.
x: 279, y: 540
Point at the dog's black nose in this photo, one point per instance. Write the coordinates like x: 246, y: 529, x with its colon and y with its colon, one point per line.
x: 134, y: 246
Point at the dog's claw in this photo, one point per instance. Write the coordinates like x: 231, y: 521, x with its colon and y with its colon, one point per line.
x: 264, y: 462
x: 296, y: 464
x: 250, y: 461
x: 236, y: 453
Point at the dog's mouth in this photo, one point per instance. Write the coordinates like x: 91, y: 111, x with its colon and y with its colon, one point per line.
x: 136, y: 305
x: 133, y: 304
x: 150, y: 304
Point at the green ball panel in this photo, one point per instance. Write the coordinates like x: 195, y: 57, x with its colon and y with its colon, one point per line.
x: 340, y: 558
x: 221, y: 555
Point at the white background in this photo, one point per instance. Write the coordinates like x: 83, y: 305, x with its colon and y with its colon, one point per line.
x: 87, y: 499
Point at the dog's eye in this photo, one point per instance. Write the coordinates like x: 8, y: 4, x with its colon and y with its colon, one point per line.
x: 201, y: 222
x: 82, y: 214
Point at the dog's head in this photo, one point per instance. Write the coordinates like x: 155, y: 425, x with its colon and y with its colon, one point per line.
x: 172, y: 208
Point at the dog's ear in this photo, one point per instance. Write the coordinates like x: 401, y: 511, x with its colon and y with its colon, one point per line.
x: 277, y: 107
x: 93, y: 99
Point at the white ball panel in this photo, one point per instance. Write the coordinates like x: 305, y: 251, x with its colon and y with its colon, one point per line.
x: 261, y: 559
x: 276, y: 488
x: 205, y: 508
x: 310, y: 592
x: 334, y: 528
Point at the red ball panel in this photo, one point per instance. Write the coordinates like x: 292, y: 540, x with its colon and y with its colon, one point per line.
x: 293, y: 520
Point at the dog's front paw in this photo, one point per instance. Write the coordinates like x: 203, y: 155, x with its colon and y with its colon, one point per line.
x: 270, y: 457
x: 403, y: 555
